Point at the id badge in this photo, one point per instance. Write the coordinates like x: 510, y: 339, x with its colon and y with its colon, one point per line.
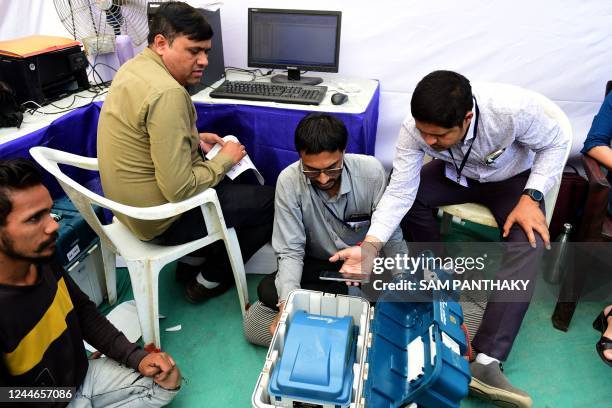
x: 451, y: 174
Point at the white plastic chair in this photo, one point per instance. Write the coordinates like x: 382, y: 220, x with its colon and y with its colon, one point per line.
x: 480, y: 214
x: 144, y: 260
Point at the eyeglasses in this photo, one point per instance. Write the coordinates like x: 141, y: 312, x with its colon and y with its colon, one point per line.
x: 313, y: 174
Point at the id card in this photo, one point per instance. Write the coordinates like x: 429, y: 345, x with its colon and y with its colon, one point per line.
x: 451, y: 174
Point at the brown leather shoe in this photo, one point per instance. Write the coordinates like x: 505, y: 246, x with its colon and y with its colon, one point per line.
x: 195, y: 292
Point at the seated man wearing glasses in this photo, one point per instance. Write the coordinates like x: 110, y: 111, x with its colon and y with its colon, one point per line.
x: 323, y: 204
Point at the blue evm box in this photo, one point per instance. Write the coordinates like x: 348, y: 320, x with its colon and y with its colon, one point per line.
x: 400, y: 353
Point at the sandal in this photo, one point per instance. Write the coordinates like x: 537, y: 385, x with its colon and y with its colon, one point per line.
x: 601, y: 321
x: 603, y: 344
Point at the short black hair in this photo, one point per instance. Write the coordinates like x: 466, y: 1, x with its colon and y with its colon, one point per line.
x: 442, y: 98
x: 320, y: 132
x: 15, y: 174
x: 179, y: 18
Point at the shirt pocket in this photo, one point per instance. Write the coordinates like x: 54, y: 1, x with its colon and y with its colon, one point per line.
x: 502, y: 160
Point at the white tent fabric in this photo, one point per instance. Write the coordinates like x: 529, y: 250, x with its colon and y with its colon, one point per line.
x: 562, y: 49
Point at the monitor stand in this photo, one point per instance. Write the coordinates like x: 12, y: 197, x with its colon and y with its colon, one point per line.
x: 293, y: 78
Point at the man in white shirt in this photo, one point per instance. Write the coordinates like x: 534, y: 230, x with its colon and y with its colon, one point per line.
x: 497, y: 147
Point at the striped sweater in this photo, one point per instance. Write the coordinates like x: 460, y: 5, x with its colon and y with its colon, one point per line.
x: 42, y: 328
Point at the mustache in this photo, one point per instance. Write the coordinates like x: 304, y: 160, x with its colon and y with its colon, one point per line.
x: 44, y: 245
x: 328, y: 184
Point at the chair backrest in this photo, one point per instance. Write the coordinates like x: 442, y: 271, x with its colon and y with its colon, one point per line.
x: 553, y: 111
x: 81, y: 197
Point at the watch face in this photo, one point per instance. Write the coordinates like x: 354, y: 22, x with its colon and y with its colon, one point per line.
x: 535, y: 194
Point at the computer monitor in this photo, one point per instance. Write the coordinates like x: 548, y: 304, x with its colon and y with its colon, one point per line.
x: 294, y: 40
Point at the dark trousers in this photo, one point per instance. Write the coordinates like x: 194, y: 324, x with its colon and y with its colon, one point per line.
x: 247, y: 208
x: 502, y: 319
x: 268, y: 295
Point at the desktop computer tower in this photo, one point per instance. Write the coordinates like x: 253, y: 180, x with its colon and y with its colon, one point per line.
x: 216, y: 64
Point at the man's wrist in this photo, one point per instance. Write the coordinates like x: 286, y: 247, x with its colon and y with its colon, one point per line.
x: 135, y: 358
x: 526, y: 200
x: 535, y: 195
x: 369, y: 247
x: 375, y: 242
x: 224, y: 160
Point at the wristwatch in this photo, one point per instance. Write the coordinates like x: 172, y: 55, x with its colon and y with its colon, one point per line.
x: 534, y: 194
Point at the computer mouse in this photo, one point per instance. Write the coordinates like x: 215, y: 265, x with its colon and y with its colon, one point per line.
x: 339, y: 98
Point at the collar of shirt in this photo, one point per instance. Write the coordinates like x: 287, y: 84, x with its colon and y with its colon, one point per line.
x: 470, y: 133
x: 150, y: 54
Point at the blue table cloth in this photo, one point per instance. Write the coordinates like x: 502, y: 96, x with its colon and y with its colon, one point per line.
x: 267, y: 133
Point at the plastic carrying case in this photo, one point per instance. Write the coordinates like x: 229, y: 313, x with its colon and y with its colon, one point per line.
x: 317, y: 363
x: 78, y: 249
x: 323, y: 304
x: 415, y: 354
x: 406, y: 352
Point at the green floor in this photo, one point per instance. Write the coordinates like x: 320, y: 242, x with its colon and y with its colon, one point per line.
x: 220, y: 368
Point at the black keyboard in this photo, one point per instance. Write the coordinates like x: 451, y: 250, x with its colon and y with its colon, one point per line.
x: 266, y: 91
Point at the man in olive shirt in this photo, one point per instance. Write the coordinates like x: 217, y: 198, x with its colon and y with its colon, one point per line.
x: 148, y: 150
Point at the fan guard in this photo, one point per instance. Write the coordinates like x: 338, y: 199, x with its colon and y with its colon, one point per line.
x: 104, y: 19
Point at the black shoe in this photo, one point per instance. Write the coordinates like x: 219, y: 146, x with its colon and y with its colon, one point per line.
x: 195, y: 292
x: 602, y: 345
x: 601, y: 321
x: 185, y: 272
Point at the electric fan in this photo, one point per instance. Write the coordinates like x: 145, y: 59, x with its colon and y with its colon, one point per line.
x: 96, y: 23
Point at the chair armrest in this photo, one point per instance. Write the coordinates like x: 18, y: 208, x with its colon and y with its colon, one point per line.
x: 50, y: 158
x: 594, y: 173
x: 81, y: 162
x: 162, y: 211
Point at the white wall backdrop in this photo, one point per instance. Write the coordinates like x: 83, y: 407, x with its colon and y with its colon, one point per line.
x: 561, y: 48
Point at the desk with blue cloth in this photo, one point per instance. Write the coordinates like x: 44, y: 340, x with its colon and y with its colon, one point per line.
x: 265, y: 128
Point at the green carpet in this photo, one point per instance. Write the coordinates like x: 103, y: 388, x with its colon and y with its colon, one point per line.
x: 220, y: 368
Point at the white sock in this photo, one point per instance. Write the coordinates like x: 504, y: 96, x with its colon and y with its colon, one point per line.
x: 482, y: 358
x: 207, y: 284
